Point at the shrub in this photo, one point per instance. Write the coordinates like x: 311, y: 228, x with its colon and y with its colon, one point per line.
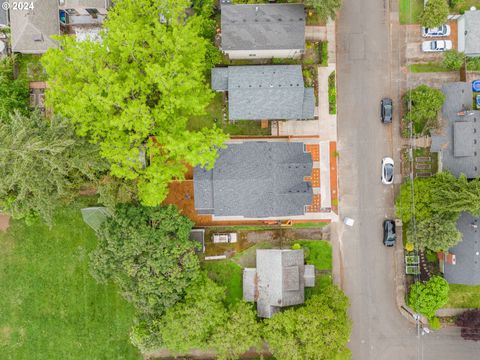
x: 435, y: 323
x: 296, y: 246
x: 425, y: 104
x: 427, y: 298
x: 470, y: 323
x: 409, y: 246
x: 453, y: 60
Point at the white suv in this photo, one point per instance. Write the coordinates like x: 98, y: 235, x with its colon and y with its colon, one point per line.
x: 436, y: 45
x: 442, y: 30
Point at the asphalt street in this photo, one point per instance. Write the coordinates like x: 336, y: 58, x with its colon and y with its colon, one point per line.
x: 366, y: 72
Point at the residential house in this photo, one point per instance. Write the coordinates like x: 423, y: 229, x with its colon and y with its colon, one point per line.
x: 279, y: 280
x: 464, y: 266
x: 469, y: 33
x: 458, y: 139
x: 261, y: 31
x: 33, y: 28
x: 256, y: 180
x: 265, y: 92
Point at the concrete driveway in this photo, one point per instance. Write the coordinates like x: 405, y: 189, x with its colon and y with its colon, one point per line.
x: 368, y: 68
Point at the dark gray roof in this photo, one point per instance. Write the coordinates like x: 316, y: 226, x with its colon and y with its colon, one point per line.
x: 265, y: 92
x: 472, y: 29
x: 255, y: 180
x: 458, y: 140
x: 263, y: 27
x: 32, y: 29
x: 467, y: 253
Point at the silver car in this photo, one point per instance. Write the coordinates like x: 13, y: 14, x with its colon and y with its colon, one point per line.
x: 387, y: 171
x: 436, y: 45
x: 442, y: 30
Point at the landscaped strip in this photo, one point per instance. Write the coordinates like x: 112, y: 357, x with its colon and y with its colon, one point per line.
x: 332, y: 94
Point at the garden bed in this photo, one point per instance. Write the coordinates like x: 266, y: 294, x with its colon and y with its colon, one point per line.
x: 332, y: 94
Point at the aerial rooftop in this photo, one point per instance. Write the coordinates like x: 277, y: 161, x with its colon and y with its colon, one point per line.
x: 263, y: 27
x: 469, y: 33
x: 279, y: 280
x: 261, y: 92
x: 458, y: 140
x: 256, y: 180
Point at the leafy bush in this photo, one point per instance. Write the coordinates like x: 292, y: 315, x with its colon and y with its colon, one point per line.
x: 453, y: 60
x: 435, y: 13
x: 296, y: 246
x: 332, y: 94
x: 427, y: 298
x: 409, y: 246
x: 434, y: 323
x: 470, y: 323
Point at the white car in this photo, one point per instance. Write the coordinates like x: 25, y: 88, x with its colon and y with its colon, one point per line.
x: 224, y: 238
x: 436, y: 45
x: 387, y: 171
x: 442, y: 30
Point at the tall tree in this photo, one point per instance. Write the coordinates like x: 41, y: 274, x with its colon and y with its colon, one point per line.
x: 427, y: 298
x: 421, y: 196
x: 238, y: 333
x: 325, y: 8
x: 435, y: 13
x: 319, y: 330
x: 13, y: 92
x: 42, y: 165
x: 423, y: 103
x: 436, y: 233
x: 134, y: 92
x: 146, y: 252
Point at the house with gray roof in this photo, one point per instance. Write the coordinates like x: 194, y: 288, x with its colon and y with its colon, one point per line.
x: 32, y: 29
x: 279, y: 280
x: 458, y: 139
x: 469, y: 33
x: 255, y: 179
x: 465, y: 267
x: 262, y: 31
x: 265, y: 92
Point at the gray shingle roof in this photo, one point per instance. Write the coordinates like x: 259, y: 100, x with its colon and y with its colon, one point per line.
x: 278, y: 280
x: 467, y: 253
x: 32, y: 29
x: 265, y: 92
x: 458, y: 140
x: 263, y: 27
x: 255, y: 180
x: 472, y: 28
x: 3, y: 13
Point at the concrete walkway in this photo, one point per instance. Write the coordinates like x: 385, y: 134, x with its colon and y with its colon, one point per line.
x: 315, y: 33
x: 422, y: 142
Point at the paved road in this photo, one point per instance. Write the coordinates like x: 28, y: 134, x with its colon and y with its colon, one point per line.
x: 367, y: 71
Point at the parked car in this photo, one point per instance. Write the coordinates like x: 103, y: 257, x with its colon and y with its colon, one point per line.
x: 387, y: 170
x: 389, y: 235
x: 386, y: 110
x: 436, y: 45
x: 442, y: 30
x: 224, y: 238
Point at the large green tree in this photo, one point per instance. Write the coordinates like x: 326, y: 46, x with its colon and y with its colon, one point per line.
x: 13, y: 92
x: 325, y: 8
x: 318, y: 330
x: 147, y: 253
x: 427, y: 298
x: 435, y: 13
x: 436, y: 233
x: 423, y: 103
x: 134, y: 92
x: 420, y: 195
x: 42, y: 165
x: 238, y: 333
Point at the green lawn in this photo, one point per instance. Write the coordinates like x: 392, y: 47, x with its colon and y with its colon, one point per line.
x: 51, y: 308
x: 463, y: 5
x: 427, y: 67
x: 321, y: 282
x: 228, y: 274
x: 463, y: 296
x: 410, y: 11
x: 310, y: 225
x: 215, y: 116
x: 318, y: 253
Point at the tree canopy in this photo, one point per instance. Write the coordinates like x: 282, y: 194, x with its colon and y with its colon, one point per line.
x: 469, y: 321
x: 425, y: 103
x: 318, y: 330
x: 43, y: 163
x: 422, y: 196
x: 326, y: 9
x: 134, y: 92
x: 427, y: 298
x: 435, y: 13
x: 146, y: 251
x: 435, y: 233
x: 13, y: 92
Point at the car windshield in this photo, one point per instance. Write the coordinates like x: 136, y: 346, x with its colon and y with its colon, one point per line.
x: 388, y: 172
x: 433, y: 45
x: 388, y: 110
x: 390, y: 231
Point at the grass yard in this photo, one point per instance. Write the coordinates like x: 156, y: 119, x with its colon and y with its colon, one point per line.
x: 228, y: 274
x: 428, y: 67
x: 321, y: 282
x: 214, y: 116
x: 310, y: 225
x: 51, y: 307
x: 318, y: 253
x: 463, y: 296
x: 247, y: 257
x: 462, y: 5
x: 410, y: 11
